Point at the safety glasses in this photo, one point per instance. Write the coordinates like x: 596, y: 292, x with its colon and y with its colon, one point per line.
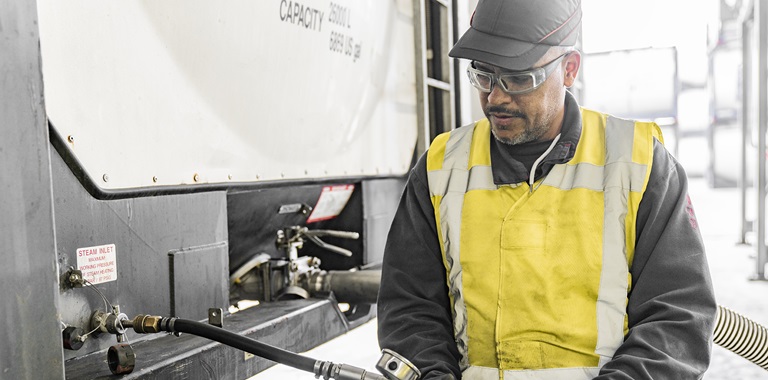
x: 513, y: 83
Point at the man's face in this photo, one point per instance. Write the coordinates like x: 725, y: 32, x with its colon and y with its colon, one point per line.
x: 532, y: 116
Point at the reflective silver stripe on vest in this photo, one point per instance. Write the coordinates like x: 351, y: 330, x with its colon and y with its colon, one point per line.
x: 612, y: 296
x: 451, y: 183
x: 487, y: 373
x: 588, y: 176
x: 480, y: 177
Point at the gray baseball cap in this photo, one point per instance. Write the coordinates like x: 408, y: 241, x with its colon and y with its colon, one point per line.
x: 514, y: 34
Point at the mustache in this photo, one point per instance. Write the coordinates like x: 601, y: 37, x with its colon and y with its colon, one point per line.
x: 503, y: 110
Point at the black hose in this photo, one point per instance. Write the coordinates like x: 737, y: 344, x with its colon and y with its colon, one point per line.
x: 238, y: 341
x: 742, y: 336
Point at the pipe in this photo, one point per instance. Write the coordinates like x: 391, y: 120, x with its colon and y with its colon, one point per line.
x: 742, y: 336
x: 347, y: 286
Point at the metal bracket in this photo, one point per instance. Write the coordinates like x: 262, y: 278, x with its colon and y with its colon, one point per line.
x: 216, y: 317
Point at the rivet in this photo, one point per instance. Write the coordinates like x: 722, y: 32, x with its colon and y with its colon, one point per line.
x: 154, y: 179
x: 229, y: 176
x: 71, y: 138
x: 196, y: 177
x: 105, y: 178
x: 306, y: 172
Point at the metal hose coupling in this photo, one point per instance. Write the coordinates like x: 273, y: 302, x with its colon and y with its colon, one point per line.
x: 742, y: 336
x: 150, y: 324
x: 327, y: 370
x: 396, y: 367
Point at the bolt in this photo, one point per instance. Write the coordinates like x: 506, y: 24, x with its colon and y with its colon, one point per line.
x: 105, y: 178
x: 71, y: 138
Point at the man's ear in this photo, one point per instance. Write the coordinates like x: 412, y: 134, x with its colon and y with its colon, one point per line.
x: 572, y: 65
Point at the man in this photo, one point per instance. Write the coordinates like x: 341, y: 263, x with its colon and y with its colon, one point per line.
x: 546, y: 241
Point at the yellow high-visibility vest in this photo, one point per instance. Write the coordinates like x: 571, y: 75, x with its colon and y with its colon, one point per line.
x: 538, y: 273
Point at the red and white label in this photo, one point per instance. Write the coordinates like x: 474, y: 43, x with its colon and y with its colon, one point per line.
x: 98, y: 264
x: 332, y: 200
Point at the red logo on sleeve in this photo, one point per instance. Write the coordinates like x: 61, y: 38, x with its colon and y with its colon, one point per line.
x: 691, y: 214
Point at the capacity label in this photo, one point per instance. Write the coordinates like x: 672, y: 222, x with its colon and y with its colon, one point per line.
x: 98, y: 264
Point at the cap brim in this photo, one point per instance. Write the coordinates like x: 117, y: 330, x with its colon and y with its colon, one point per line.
x: 504, y: 52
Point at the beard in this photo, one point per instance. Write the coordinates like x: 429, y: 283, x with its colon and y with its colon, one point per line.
x: 532, y: 130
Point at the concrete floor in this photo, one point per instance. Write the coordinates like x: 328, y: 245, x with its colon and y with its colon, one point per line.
x: 731, y: 264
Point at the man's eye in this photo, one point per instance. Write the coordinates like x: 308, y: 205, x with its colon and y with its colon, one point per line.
x: 518, y: 79
x: 483, y: 79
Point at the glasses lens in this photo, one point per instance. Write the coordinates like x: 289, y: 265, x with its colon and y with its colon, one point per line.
x: 518, y: 82
x: 481, y: 80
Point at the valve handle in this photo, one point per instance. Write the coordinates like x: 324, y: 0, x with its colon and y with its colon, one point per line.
x: 292, y: 237
x: 329, y: 247
x: 333, y: 233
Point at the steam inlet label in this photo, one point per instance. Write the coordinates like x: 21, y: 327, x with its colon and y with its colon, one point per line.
x: 98, y: 264
x: 331, y: 202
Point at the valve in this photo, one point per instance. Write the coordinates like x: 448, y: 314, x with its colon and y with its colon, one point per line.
x: 292, y: 239
x: 110, y: 323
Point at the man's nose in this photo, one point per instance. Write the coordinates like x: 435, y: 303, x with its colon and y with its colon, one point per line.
x: 497, y: 95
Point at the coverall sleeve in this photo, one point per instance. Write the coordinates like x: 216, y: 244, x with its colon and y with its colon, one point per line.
x: 414, y: 315
x: 671, y: 305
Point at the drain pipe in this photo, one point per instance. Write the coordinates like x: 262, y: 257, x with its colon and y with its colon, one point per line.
x: 742, y: 336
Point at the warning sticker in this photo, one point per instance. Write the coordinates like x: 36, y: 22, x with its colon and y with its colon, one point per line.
x: 332, y: 200
x: 98, y: 264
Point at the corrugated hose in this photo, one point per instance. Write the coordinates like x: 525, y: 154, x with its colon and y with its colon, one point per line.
x: 742, y: 336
